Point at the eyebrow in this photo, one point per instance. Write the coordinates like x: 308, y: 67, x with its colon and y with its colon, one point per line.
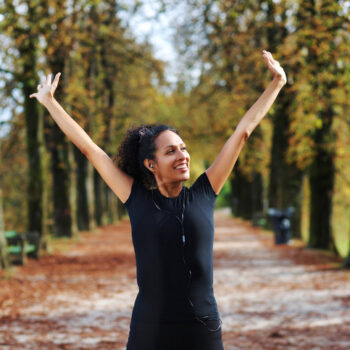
x: 174, y: 145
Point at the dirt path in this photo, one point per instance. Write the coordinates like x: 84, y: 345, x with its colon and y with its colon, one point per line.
x: 269, y: 297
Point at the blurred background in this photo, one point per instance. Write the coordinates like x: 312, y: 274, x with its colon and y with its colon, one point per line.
x: 195, y: 65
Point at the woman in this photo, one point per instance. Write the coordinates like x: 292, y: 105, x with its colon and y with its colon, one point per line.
x: 172, y: 225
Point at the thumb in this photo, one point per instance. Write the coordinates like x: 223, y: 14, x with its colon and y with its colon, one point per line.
x: 32, y: 95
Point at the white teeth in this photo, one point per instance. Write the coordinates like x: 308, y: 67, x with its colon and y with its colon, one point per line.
x: 181, y: 167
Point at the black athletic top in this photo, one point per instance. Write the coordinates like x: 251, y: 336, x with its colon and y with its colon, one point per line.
x: 175, y: 279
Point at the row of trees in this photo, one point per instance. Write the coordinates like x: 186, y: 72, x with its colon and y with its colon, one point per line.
x: 303, y: 142
x: 111, y: 81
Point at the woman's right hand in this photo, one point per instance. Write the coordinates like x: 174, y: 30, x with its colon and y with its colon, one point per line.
x: 274, y: 67
x: 46, y: 89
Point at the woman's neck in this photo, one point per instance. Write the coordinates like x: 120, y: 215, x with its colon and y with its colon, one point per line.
x: 170, y: 189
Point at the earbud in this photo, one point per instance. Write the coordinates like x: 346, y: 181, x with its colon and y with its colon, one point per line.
x: 151, y: 166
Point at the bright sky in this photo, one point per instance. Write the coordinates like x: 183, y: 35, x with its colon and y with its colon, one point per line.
x: 158, y: 31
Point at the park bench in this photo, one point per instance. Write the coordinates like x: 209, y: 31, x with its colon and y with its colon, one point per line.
x: 21, y: 245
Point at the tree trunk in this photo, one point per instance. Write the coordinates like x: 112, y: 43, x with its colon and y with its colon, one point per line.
x: 277, y: 163
x: 82, y: 196
x: 34, y: 136
x: 247, y: 194
x: 110, y: 71
x: 90, y: 196
x: 321, y: 187
x: 44, y: 240
x: 258, y: 193
x: 108, y: 204
x: 59, y: 159
x: 4, y: 260
x: 98, y: 183
x: 73, y: 190
x: 59, y: 44
x: 35, y: 182
x: 322, y: 172
x: 292, y: 196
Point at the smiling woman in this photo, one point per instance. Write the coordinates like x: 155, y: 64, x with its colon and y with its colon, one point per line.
x: 172, y: 225
x: 156, y: 156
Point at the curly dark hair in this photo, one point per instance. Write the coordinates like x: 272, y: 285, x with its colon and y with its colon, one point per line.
x: 139, y: 144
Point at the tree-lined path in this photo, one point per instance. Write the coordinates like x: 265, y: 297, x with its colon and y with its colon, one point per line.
x: 269, y: 297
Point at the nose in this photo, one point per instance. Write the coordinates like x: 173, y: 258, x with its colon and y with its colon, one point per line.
x: 182, y: 154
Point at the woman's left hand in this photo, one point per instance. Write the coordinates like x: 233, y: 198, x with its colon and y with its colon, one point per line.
x: 274, y: 67
x: 46, y: 89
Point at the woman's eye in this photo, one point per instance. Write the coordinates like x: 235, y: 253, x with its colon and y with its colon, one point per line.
x: 183, y: 148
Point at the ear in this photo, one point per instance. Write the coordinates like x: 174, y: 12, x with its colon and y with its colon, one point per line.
x: 149, y: 164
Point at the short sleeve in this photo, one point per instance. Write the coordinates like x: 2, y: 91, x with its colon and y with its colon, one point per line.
x: 136, y: 191
x: 202, y: 184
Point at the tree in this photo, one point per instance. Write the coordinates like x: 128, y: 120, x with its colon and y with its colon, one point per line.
x: 285, y: 178
x: 57, y: 27
x: 321, y: 40
x: 4, y: 261
x: 23, y: 29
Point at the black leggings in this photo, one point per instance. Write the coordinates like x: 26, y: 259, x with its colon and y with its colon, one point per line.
x: 189, y: 335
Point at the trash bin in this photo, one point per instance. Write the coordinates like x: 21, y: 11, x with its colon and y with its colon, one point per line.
x: 281, y: 219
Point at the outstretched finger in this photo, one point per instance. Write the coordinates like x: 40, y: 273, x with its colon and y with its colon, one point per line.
x: 269, y: 62
x: 267, y: 58
x: 48, y: 80
x: 268, y: 55
x: 273, y: 61
x: 56, y: 80
x: 33, y: 95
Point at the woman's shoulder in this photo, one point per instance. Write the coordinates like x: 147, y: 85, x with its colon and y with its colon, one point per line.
x: 138, y: 191
x: 203, y: 185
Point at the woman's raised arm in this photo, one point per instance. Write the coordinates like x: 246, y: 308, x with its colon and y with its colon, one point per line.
x: 221, y: 168
x: 119, y: 182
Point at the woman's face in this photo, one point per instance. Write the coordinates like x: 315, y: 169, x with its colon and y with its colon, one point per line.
x: 172, y: 161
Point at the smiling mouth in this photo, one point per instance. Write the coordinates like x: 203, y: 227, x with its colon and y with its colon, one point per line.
x: 181, y: 167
